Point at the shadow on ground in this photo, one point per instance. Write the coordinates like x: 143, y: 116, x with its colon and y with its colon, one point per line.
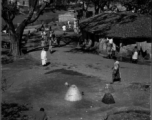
x: 49, y: 93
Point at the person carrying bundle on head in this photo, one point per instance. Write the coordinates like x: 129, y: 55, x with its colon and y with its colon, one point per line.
x: 116, y: 73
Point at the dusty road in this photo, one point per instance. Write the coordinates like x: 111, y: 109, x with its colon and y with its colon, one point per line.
x: 44, y: 87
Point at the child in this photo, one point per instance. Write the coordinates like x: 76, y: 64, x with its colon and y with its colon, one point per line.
x: 44, y: 57
x: 116, y: 73
x: 40, y: 115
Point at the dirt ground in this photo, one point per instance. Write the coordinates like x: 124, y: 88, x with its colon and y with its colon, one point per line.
x: 26, y: 83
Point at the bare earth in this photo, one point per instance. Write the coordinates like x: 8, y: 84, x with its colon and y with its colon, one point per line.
x: 39, y: 86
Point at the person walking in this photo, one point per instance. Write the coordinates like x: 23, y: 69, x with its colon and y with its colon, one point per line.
x: 44, y: 57
x: 45, y: 37
x: 116, y: 73
x: 50, y: 45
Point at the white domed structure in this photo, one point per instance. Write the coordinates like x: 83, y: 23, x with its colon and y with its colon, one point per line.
x: 73, y: 94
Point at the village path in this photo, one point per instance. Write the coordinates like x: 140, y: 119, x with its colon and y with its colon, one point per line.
x: 45, y: 87
x: 95, y: 65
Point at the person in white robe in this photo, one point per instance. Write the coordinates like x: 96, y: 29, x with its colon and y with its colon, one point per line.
x: 135, y: 56
x: 44, y: 57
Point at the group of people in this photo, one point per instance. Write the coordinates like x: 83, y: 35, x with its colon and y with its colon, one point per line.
x: 48, y: 38
x: 112, y: 47
x: 69, y: 26
x: 116, y: 76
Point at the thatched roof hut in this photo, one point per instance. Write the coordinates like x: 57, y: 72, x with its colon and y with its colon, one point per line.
x: 125, y: 26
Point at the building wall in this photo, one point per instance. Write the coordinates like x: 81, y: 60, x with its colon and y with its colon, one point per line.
x: 66, y: 17
x: 23, y: 2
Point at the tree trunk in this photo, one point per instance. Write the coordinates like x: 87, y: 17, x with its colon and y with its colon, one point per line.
x: 16, y: 39
x: 15, y: 47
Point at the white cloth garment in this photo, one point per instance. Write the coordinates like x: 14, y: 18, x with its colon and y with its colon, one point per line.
x: 44, y: 57
x: 111, y: 41
x: 114, y: 47
x: 75, y: 26
x: 68, y: 22
x: 135, y: 55
x: 44, y: 33
x: 116, y: 65
x: 64, y: 28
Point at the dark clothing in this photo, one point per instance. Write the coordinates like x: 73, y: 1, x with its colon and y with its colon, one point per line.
x: 116, y: 75
x: 50, y: 45
x: 40, y: 116
x: 109, y: 50
x: 53, y: 35
x: 134, y: 60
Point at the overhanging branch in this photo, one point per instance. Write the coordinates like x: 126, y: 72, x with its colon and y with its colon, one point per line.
x: 38, y: 14
x: 31, y: 11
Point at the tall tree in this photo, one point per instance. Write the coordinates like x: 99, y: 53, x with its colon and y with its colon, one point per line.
x: 144, y: 5
x: 9, y: 11
x: 99, y: 4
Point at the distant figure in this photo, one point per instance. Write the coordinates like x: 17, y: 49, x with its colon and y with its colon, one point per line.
x: 88, y: 45
x: 43, y: 33
x: 68, y: 22
x: 54, y: 38
x: 109, y: 47
x: 133, y: 10
x: 114, y: 50
x: 4, y: 31
x: 110, y: 41
x: 43, y: 43
x: 41, y: 115
x: 109, y: 50
x: 116, y: 73
x: 44, y: 57
x: 84, y: 43
x: 69, y: 25
x: 64, y: 28
x: 50, y: 45
x: 135, y: 56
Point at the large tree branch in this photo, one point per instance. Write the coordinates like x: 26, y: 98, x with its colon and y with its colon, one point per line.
x: 32, y: 9
x: 38, y: 14
x: 9, y: 11
x: 10, y: 24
